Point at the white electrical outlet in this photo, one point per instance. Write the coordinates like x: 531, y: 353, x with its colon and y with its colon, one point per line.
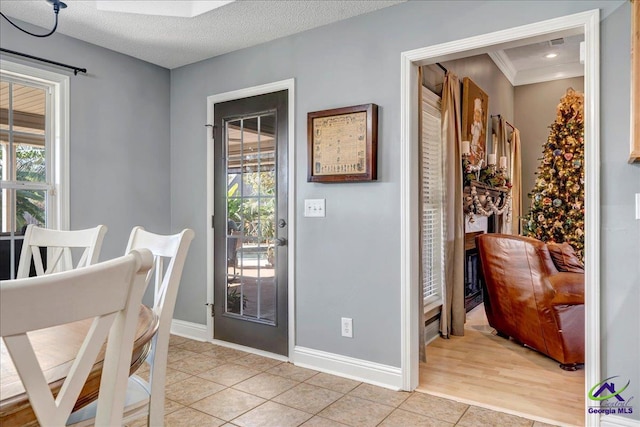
x: 314, y: 208
x: 347, y: 327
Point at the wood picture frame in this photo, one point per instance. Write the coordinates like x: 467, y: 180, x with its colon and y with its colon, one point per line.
x: 634, y: 157
x: 475, y: 117
x: 342, y: 144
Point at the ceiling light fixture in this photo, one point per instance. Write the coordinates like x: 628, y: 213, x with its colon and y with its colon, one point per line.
x: 551, y: 55
x: 57, y: 5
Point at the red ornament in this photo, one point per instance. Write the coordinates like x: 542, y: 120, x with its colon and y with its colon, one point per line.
x: 568, y: 156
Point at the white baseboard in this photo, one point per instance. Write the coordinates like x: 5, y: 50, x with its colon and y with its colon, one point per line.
x: 349, y: 367
x: 336, y: 364
x: 617, y: 421
x: 195, y: 331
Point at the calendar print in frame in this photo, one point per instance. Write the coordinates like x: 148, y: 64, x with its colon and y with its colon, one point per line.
x: 342, y: 144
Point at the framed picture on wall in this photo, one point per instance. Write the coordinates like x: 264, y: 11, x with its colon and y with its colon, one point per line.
x: 342, y: 144
x: 475, y: 105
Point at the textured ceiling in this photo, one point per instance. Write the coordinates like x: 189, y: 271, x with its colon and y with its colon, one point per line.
x: 172, y: 42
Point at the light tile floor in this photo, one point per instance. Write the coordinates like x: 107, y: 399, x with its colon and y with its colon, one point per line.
x: 211, y: 386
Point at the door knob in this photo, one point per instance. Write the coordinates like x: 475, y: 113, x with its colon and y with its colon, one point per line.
x: 280, y: 242
x: 282, y: 223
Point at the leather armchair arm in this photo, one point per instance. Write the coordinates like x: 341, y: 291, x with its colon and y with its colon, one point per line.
x: 568, y: 288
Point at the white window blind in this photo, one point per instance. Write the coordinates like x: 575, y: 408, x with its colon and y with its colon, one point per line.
x: 432, y: 189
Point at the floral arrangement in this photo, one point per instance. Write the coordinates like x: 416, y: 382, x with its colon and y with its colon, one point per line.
x: 491, y: 176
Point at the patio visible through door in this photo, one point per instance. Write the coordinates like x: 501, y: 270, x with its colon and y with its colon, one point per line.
x: 250, y: 222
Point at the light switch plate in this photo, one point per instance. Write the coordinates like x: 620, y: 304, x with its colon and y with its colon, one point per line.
x: 314, y: 208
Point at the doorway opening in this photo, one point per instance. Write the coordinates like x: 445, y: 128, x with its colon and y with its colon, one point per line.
x: 586, y: 23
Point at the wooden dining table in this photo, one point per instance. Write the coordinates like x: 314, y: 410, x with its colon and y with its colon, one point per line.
x: 56, y: 348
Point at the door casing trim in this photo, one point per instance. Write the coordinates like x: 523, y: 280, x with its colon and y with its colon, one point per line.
x: 289, y: 85
x: 589, y: 22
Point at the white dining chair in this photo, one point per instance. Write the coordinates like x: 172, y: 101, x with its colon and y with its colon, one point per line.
x: 110, y: 293
x: 59, y: 245
x: 147, y: 398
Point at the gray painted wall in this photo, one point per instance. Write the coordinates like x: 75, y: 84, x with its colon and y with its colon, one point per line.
x: 119, y: 136
x: 535, y: 111
x: 348, y: 263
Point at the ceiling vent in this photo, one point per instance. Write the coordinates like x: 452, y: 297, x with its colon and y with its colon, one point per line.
x: 556, y: 42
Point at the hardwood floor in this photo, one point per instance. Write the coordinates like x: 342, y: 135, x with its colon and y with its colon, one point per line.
x: 486, y: 370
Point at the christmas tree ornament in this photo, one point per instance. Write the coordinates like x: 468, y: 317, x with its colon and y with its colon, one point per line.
x: 557, y: 203
x: 568, y: 156
x: 557, y: 152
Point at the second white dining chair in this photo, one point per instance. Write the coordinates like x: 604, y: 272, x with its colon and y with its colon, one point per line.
x: 147, y: 398
x: 59, y: 245
x: 111, y: 294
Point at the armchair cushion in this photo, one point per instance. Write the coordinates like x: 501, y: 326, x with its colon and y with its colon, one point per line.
x: 565, y: 258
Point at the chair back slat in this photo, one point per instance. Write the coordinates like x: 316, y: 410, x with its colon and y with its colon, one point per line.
x: 37, y: 259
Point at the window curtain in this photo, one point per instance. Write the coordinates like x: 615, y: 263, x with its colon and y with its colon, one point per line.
x: 516, y: 183
x: 510, y: 148
x: 502, y: 148
x: 453, y: 311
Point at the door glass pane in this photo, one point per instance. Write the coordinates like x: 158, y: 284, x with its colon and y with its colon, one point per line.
x: 251, y: 218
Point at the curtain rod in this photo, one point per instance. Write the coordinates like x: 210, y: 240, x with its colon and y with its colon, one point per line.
x: 442, y: 67
x: 35, y: 58
x: 500, y: 116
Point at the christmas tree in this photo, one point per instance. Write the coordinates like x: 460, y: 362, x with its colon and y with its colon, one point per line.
x: 557, y: 199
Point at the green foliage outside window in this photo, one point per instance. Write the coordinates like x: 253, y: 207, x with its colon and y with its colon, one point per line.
x: 254, y: 216
x: 30, y: 167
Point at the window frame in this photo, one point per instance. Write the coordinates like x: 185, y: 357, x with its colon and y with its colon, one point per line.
x: 57, y: 143
x: 58, y: 120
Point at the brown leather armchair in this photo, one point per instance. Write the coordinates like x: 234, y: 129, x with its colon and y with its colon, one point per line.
x: 528, y: 299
